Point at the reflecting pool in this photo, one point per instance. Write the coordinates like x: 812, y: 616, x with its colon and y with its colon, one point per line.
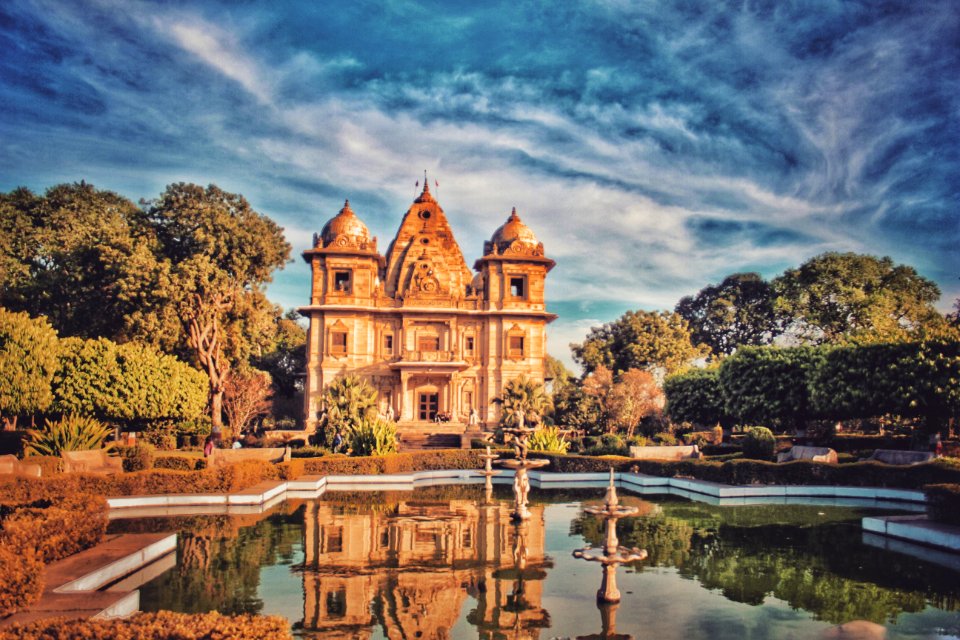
x: 446, y: 562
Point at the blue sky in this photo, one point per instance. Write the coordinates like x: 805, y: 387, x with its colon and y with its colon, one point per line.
x: 654, y: 147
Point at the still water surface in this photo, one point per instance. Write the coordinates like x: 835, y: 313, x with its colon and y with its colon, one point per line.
x: 446, y: 563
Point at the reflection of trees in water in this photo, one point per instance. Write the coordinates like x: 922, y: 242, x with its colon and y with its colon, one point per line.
x: 748, y: 554
x: 219, y: 564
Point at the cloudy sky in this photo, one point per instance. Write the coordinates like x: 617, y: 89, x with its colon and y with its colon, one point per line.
x: 653, y: 146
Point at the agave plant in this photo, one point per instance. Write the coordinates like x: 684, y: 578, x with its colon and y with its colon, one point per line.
x: 371, y: 437
x: 549, y: 439
x: 70, y: 433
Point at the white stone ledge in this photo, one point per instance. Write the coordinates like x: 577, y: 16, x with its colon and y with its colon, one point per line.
x: 125, y: 607
x: 120, y: 567
x: 915, y: 528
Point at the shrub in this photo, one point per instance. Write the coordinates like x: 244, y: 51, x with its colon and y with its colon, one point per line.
x: 759, y: 443
x: 59, y: 528
x: 549, y: 439
x: 139, y: 457
x: 291, y: 470
x: 666, y: 438
x: 371, y: 437
x: 943, y: 502
x: 178, y: 463
x: 70, y: 433
x: 310, y: 451
x: 161, y: 625
x: 161, y: 434
x: 49, y: 465
x: 23, y: 581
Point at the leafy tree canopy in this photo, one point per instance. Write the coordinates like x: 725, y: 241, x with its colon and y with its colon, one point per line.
x: 848, y: 297
x: 737, y: 312
x: 646, y: 340
x: 28, y: 359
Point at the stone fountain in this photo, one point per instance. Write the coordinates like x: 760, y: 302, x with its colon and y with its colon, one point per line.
x: 488, y: 471
x: 520, y: 465
x: 611, y: 554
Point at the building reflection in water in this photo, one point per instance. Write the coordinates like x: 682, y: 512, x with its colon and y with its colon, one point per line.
x: 411, y: 569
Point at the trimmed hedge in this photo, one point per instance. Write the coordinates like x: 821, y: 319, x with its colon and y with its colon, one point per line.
x: 178, y: 463
x: 393, y: 463
x: 741, y: 471
x: 39, y: 526
x: 696, y: 397
x: 943, y: 502
x: 162, y: 625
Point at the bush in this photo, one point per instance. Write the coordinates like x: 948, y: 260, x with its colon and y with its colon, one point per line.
x: 23, y: 581
x: 943, y: 502
x: 549, y: 439
x: 49, y: 465
x: 139, y: 457
x: 759, y: 443
x: 161, y: 434
x: 161, y: 625
x: 41, y: 526
x: 310, y: 451
x: 178, y: 463
x: 666, y: 439
x: 371, y: 437
x: 70, y: 433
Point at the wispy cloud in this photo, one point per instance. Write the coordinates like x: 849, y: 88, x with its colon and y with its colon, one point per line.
x: 657, y: 148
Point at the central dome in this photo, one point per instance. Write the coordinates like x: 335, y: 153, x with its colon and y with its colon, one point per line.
x: 345, y: 223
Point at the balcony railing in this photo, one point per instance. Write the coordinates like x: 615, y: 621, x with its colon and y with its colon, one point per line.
x: 428, y: 356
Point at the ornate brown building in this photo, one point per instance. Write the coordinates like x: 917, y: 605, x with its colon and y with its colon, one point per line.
x: 430, y: 335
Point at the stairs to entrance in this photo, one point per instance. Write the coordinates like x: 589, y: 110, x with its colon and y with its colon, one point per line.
x: 425, y: 441
x: 419, y: 436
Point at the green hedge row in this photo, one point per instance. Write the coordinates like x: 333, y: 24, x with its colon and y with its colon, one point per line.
x: 741, y: 472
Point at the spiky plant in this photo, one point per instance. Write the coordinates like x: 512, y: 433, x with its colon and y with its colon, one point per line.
x: 347, y: 400
x: 549, y: 439
x: 371, y: 437
x: 70, y: 433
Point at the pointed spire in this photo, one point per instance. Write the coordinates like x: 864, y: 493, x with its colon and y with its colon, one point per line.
x: 513, y: 214
x: 426, y: 183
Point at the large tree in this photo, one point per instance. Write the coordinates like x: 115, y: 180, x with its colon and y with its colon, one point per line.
x: 76, y: 255
x: 737, y: 312
x: 648, y: 340
x: 847, y: 297
x: 624, y: 401
x: 217, y: 253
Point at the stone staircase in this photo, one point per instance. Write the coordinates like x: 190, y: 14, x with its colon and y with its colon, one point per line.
x: 413, y: 441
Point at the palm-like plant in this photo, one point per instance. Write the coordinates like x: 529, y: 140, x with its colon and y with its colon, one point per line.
x: 372, y: 437
x: 522, y: 396
x: 70, y: 433
x: 348, y: 400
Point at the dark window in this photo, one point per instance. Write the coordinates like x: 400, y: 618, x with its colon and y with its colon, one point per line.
x: 338, y: 342
x: 337, y: 603
x: 468, y: 345
x: 388, y: 344
x: 334, y: 540
x: 518, y: 287
x: 515, y: 347
x: 428, y: 343
x: 341, y: 281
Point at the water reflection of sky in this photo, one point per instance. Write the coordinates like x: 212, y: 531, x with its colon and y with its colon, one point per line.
x: 709, y: 571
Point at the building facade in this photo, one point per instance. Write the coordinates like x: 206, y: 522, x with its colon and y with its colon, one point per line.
x: 430, y: 335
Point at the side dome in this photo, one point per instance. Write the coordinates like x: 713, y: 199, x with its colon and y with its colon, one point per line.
x: 513, y: 237
x: 514, y: 229
x: 345, y: 223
